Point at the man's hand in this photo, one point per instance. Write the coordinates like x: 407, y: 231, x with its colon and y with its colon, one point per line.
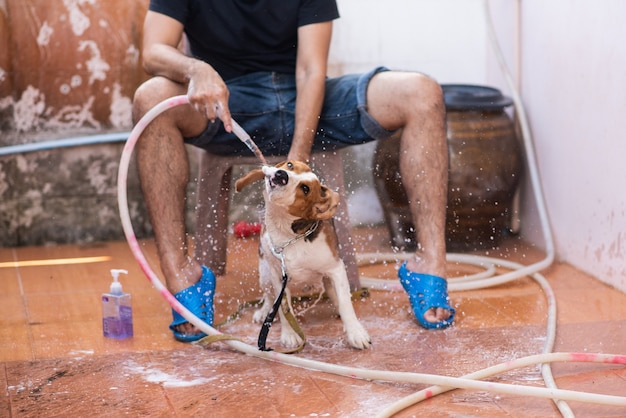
x: 208, y: 94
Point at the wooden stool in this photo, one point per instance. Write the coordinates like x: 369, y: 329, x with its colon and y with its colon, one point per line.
x: 213, y: 193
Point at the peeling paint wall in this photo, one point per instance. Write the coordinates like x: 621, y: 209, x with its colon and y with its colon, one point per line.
x: 67, y: 68
x: 68, y: 65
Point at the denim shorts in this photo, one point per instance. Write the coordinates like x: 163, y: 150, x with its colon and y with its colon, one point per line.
x: 264, y: 105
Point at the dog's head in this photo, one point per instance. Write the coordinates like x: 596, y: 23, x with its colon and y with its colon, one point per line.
x: 293, y: 186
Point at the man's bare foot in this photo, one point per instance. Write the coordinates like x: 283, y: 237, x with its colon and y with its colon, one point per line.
x: 435, y: 315
x: 187, y: 329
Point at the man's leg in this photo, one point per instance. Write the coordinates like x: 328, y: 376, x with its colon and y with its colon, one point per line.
x: 415, y: 103
x: 164, y: 173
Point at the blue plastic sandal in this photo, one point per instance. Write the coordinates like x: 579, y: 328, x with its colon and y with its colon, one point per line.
x: 426, y: 292
x: 198, y: 298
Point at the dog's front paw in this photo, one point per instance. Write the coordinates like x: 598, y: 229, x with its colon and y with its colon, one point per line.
x: 261, y: 313
x: 357, y: 337
x: 289, y: 338
x: 259, y: 316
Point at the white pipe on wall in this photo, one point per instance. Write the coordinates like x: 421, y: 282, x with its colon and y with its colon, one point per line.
x: 65, y: 143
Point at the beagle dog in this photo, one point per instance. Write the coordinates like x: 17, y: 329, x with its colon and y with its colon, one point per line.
x: 298, y: 227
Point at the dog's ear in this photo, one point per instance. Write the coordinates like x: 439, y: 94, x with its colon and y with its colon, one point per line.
x: 251, y: 177
x: 327, y: 206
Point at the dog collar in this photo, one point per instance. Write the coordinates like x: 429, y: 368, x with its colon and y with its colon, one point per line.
x: 277, y: 250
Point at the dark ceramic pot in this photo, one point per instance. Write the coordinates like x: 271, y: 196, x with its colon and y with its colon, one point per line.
x: 484, y: 172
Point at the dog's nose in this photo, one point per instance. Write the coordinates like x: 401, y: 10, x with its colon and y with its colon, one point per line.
x: 281, y: 178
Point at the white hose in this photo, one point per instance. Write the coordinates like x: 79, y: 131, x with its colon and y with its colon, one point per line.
x: 441, y: 381
x: 475, y: 281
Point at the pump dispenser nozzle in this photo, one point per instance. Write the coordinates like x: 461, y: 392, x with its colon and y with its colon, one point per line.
x: 116, y: 286
x: 117, y: 314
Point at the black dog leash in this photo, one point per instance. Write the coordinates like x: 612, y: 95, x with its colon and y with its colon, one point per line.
x: 267, y: 323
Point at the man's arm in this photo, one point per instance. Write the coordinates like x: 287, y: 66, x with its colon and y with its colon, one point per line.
x: 311, y: 63
x: 161, y: 57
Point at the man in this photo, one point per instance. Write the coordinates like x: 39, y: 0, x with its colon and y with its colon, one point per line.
x: 264, y: 62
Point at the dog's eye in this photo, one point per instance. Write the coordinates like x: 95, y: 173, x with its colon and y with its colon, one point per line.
x: 290, y: 165
x: 305, y: 189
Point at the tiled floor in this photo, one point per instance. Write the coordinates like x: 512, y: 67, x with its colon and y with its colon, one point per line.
x: 54, y: 360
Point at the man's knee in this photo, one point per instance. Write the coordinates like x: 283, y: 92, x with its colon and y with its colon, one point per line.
x: 426, y: 93
x: 396, y: 98
x: 152, y: 92
x: 144, y: 99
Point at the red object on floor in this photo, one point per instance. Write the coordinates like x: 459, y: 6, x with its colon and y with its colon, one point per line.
x: 243, y: 229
